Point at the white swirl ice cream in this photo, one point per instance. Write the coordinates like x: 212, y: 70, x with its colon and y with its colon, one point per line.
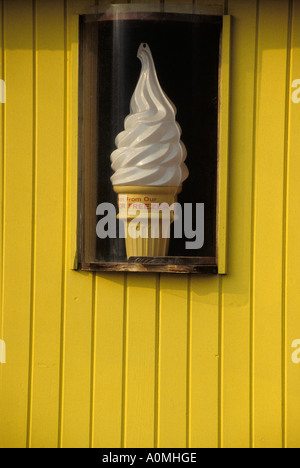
x: 149, y: 150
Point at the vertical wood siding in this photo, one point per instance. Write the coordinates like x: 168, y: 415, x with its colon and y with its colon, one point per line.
x: 123, y: 360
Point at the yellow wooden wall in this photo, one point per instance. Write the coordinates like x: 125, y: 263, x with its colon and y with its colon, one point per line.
x: 126, y: 360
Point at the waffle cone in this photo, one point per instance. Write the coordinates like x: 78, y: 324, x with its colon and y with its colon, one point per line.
x: 146, y: 226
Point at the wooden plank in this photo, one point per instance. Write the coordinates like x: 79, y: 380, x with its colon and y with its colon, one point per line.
x: 224, y: 110
x: 268, y: 223
x: 89, y: 152
x: 18, y: 164
x: 78, y: 288
x: 2, y: 169
x: 172, y: 367
x: 2, y: 166
x: 49, y: 153
x: 235, y: 385
x: 292, y: 302
x: 203, y: 408
x: 74, y: 8
x: 76, y: 365
x: 75, y: 397
x: 140, y: 361
x: 108, y: 361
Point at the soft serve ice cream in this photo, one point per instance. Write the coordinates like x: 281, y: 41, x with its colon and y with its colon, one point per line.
x: 148, y: 165
x: 149, y: 151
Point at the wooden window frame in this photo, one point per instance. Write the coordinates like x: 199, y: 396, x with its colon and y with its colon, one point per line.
x: 198, y: 265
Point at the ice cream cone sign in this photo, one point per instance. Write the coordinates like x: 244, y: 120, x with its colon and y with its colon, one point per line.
x: 148, y: 164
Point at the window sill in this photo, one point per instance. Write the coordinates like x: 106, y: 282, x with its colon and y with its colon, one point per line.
x: 177, y: 265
